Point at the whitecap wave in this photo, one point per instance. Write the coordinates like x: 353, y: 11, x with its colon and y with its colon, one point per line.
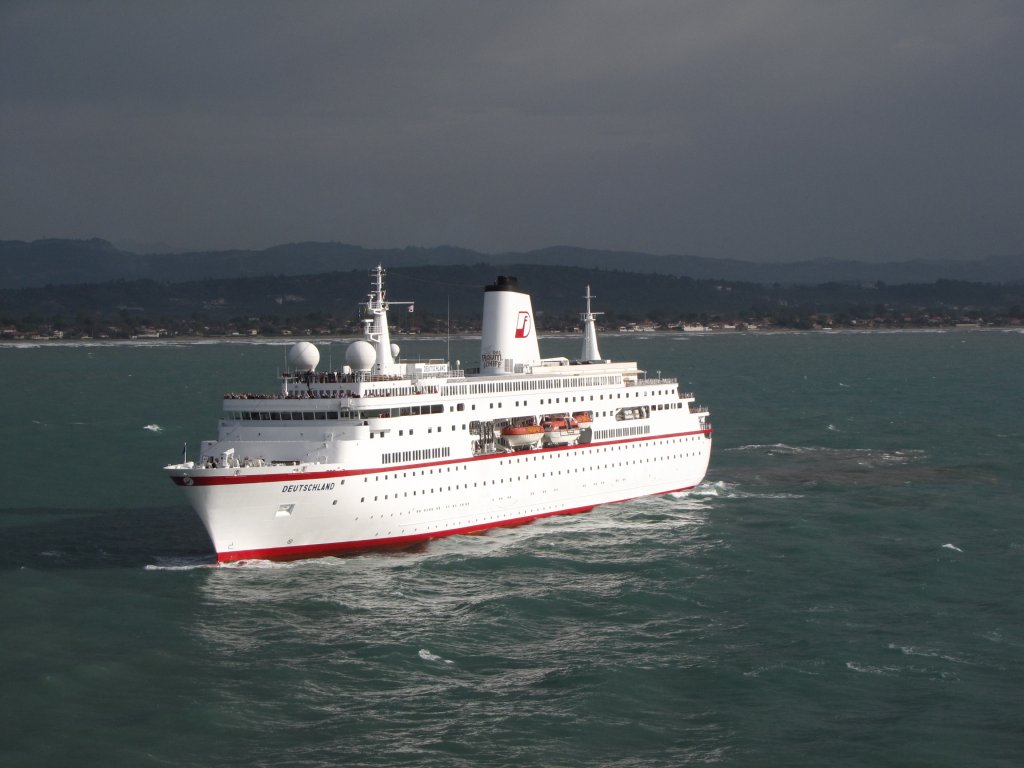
x: 433, y: 657
x: 179, y: 564
x: 929, y: 653
x: 898, y: 456
x: 153, y: 428
x: 765, y: 447
x: 869, y: 669
x: 758, y: 671
x: 263, y: 564
x: 952, y: 546
x: 724, y: 490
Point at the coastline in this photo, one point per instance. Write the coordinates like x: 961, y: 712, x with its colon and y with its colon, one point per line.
x: 289, y: 340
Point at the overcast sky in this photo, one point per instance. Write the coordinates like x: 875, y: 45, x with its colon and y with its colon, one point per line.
x: 765, y: 130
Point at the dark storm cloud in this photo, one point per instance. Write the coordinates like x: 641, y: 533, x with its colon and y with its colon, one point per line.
x: 759, y: 130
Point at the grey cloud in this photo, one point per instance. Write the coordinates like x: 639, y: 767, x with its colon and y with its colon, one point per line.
x: 779, y: 129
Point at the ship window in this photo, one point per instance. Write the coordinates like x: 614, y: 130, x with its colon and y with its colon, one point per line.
x: 264, y: 416
x: 307, y: 415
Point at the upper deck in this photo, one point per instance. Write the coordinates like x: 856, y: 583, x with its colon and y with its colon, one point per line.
x: 442, y: 381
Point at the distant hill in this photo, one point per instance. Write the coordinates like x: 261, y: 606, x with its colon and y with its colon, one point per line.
x: 64, y: 262
x: 556, y: 290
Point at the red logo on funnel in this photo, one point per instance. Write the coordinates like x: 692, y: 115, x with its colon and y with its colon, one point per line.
x: 523, y: 325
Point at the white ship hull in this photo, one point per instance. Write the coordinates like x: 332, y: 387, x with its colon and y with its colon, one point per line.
x: 264, y: 513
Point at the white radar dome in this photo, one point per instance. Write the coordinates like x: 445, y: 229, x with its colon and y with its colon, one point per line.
x: 395, y: 349
x: 303, y: 357
x: 360, y: 355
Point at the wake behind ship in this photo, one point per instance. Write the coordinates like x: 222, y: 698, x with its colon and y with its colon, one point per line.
x: 385, y: 452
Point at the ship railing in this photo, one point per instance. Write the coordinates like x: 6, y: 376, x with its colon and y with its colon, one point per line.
x: 456, y: 373
x: 367, y: 376
x: 319, y: 377
x: 649, y: 381
x: 414, y: 376
x: 698, y: 408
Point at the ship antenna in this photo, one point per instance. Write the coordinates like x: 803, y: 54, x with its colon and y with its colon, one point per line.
x: 376, y: 325
x: 590, y: 350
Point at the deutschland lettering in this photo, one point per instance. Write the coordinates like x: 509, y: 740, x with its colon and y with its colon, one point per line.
x: 307, y: 487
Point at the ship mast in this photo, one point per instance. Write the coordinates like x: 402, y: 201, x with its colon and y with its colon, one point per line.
x: 376, y: 325
x: 591, y: 353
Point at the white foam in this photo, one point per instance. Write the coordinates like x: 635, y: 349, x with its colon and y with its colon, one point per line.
x: 870, y: 670
x: 264, y: 564
x: 723, y: 490
x: 428, y: 656
x: 931, y: 653
x: 899, y: 456
x: 764, y: 446
x: 952, y: 546
x: 180, y: 564
x: 154, y: 428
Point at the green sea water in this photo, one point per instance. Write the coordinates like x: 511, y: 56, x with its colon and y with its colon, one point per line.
x: 844, y: 589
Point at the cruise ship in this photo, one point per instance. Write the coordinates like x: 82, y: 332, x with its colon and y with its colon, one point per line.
x: 387, y: 452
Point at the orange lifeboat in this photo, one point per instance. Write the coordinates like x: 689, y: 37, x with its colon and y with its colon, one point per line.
x: 522, y: 435
x: 560, y: 430
x: 583, y: 418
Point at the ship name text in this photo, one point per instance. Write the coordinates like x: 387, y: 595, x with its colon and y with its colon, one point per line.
x: 307, y: 487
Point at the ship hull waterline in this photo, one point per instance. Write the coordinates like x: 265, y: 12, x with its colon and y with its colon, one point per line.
x: 309, y: 526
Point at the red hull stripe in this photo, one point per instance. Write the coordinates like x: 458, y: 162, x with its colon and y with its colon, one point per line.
x: 294, y: 476
x: 311, y: 550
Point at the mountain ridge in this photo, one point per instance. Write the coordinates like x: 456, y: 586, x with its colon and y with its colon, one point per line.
x: 57, y: 261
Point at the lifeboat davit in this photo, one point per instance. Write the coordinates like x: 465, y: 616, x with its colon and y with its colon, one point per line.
x: 560, y: 430
x: 523, y: 436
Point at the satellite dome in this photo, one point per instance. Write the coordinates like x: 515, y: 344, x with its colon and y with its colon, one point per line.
x: 395, y: 349
x: 360, y: 355
x: 303, y: 357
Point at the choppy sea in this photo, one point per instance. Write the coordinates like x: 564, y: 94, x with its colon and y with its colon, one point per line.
x: 844, y: 589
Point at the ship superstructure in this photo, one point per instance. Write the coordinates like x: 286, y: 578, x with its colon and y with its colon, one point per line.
x: 386, y: 452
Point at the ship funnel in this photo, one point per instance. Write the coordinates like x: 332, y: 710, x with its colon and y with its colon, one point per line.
x: 509, y: 337
x: 591, y: 353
